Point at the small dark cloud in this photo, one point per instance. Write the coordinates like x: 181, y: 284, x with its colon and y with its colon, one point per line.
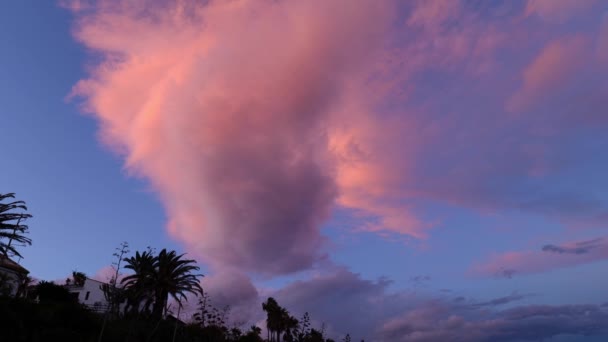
x: 420, y: 280
x: 503, y: 300
x: 458, y: 299
x: 582, y: 247
x: 506, y: 273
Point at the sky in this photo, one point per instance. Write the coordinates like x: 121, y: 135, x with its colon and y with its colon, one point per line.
x: 403, y: 170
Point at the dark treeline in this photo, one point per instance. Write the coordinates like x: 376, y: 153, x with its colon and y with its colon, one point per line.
x: 142, y: 306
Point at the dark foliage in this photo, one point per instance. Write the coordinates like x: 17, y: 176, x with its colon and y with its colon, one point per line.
x: 53, y: 319
x: 48, y: 292
x: 12, y: 227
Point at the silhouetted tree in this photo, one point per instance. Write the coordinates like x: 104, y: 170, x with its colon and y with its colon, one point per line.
x: 203, y: 310
x: 12, y: 228
x: 24, y: 284
x: 288, y: 326
x: 315, y: 336
x: 279, y: 322
x: 113, y: 294
x: 253, y: 335
x: 273, y: 318
x: 173, y: 276
x: 162, y: 276
x: 304, y: 327
x: 138, y: 286
x: 51, y: 292
x: 78, y: 278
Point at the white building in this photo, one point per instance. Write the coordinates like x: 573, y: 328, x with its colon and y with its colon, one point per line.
x: 11, y: 273
x: 90, y: 294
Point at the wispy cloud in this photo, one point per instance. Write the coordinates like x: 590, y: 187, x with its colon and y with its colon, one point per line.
x: 547, y: 258
x: 578, y: 248
x: 503, y: 300
x: 524, y: 323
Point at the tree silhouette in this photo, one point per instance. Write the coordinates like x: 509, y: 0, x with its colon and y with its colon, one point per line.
x: 160, y: 277
x: 279, y: 322
x: 173, y: 277
x: 51, y: 292
x: 24, y: 283
x: 138, y: 286
x: 273, y: 317
x: 253, y: 335
x: 315, y: 336
x: 114, y: 295
x: 12, y: 228
x: 79, y: 278
x: 289, y: 326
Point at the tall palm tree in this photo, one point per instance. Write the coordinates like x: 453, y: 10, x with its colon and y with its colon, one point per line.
x: 139, y: 284
x: 156, y: 278
x: 273, y: 317
x: 289, y: 326
x: 12, y: 229
x: 173, y: 277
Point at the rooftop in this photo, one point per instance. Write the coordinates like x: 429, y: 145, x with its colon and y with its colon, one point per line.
x: 7, y: 263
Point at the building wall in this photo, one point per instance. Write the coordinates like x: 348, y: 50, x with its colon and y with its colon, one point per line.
x: 12, y: 279
x: 91, y: 293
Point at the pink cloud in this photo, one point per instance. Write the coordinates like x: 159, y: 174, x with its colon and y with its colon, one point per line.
x: 444, y: 322
x: 254, y: 120
x: 370, y: 311
x: 602, y: 48
x: 225, y: 109
x: 233, y: 289
x: 557, y: 10
x: 553, y: 68
x: 547, y: 258
x: 106, y: 273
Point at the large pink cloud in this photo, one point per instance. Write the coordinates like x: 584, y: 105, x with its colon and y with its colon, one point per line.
x: 254, y: 119
x: 225, y: 108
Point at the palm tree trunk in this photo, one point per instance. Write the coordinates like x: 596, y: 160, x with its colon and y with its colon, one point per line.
x: 159, y: 304
x: 176, y: 321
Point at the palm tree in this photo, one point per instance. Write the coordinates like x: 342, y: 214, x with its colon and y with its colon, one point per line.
x: 139, y: 284
x: 157, y: 278
x: 270, y: 307
x: 279, y: 322
x: 173, y: 277
x: 289, y: 325
x: 11, y: 226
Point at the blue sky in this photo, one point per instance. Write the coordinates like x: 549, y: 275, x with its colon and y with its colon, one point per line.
x: 455, y: 160
x: 83, y: 202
